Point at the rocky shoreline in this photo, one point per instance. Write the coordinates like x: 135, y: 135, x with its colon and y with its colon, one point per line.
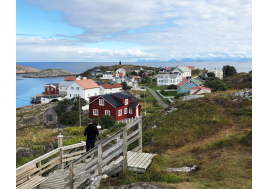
x: 25, y: 70
x: 49, y: 73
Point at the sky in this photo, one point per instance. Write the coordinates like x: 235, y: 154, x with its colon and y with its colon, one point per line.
x: 105, y: 30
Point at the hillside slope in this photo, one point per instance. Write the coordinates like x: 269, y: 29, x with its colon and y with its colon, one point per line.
x: 214, y: 133
x: 49, y: 73
x: 24, y: 70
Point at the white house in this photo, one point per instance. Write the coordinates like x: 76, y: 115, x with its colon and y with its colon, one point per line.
x: 168, y: 79
x: 218, y: 73
x: 183, y: 70
x: 63, y: 87
x: 121, y: 70
x: 130, y: 80
x: 110, y: 88
x: 47, y: 99
x: 107, y: 75
x: 85, y: 88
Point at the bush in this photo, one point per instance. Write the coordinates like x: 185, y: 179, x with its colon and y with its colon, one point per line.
x: 179, y: 95
x: 125, y: 86
x: 162, y: 92
x: 229, y: 70
x: 216, y: 85
x: 172, y: 86
x: 55, y: 100
x: 106, y: 121
x: 211, y: 74
x: 69, y: 118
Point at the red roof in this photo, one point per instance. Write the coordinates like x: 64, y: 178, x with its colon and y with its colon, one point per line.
x: 198, y: 87
x: 190, y: 67
x: 120, y: 74
x: 70, y: 78
x: 122, y: 89
x: 135, y: 76
x: 167, y: 68
x: 181, y: 83
x: 87, y: 84
x: 109, y: 86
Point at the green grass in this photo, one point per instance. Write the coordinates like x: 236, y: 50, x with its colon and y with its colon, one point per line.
x: 170, y: 93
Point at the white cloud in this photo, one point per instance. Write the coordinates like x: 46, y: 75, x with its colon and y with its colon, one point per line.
x: 202, y: 28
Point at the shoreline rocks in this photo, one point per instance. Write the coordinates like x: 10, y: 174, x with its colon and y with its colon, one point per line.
x: 49, y: 73
x: 25, y: 70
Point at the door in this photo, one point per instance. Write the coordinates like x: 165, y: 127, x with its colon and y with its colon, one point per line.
x: 137, y: 112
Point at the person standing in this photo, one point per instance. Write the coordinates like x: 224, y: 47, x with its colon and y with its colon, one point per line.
x: 92, y: 133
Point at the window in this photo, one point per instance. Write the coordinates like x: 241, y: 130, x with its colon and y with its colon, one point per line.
x: 95, y: 94
x: 43, y: 99
x: 48, y: 89
x: 52, y: 89
x: 126, y: 101
x: 77, y: 88
x: 107, y: 112
x: 88, y: 94
x: 125, y: 110
x: 60, y: 88
x: 95, y: 111
x: 119, y: 112
x: 49, y: 117
x: 66, y: 88
x: 185, y: 88
x: 190, y: 82
x: 72, y: 88
x: 130, y: 110
x: 70, y: 95
x: 101, y: 102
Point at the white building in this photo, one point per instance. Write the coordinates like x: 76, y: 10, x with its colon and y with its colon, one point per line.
x: 47, y: 99
x: 168, y: 79
x: 183, y: 70
x: 63, y: 85
x: 107, y: 75
x: 130, y: 80
x: 85, y: 88
x: 218, y: 73
x: 121, y: 70
x: 110, y: 88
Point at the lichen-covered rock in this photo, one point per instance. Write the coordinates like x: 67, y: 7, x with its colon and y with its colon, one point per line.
x: 23, y: 152
x: 140, y: 185
x: 49, y: 73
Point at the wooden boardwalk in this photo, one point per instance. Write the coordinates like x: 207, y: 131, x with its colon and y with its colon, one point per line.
x: 137, y: 162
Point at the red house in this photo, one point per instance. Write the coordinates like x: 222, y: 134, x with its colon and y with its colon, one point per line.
x: 120, y: 105
x: 51, y: 89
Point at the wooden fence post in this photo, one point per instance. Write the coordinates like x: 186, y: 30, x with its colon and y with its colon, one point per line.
x: 39, y: 167
x: 125, y: 148
x: 61, y: 165
x: 140, y: 134
x: 84, y: 147
x: 71, y: 176
x: 100, y: 159
x: 60, y: 144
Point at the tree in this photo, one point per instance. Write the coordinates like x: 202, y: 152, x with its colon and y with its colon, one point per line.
x: 134, y: 73
x: 211, y: 74
x: 106, y: 121
x: 125, y: 86
x: 62, y: 106
x: 172, y: 86
x: 229, y: 70
x: 75, y: 101
x: 140, y: 73
x: 216, y: 85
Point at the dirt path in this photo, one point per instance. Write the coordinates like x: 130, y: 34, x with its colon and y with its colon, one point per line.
x: 157, y: 97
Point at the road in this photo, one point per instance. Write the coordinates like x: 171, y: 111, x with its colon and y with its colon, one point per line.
x: 157, y: 97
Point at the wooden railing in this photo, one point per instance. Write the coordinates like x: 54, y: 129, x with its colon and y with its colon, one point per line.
x: 121, y: 140
x: 101, y: 155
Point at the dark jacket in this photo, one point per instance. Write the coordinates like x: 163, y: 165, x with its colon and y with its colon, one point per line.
x: 91, y: 131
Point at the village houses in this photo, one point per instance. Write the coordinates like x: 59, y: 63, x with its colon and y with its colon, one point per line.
x: 51, y: 89
x: 122, y: 105
x: 183, y: 70
x: 137, y: 69
x: 85, y: 88
x: 121, y: 70
x: 186, y: 85
x: 218, y: 73
x: 168, y: 79
x: 110, y: 88
x: 107, y: 75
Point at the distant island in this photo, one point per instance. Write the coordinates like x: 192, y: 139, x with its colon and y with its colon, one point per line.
x: 25, y: 70
x: 202, y: 60
x: 49, y: 73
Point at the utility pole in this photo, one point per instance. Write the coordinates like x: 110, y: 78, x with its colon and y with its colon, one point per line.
x: 79, y: 110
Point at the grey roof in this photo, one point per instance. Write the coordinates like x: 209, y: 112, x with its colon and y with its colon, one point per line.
x: 55, y: 84
x: 200, y: 79
x: 116, y: 103
x: 132, y: 97
x: 185, y: 69
x: 132, y: 105
x: 107, y: 72
x: 136, y: 68
x: 120, y: 95
x: 99, y: 83
x: 162, y: 75
x: 173, y: 75
x: 65, y: 83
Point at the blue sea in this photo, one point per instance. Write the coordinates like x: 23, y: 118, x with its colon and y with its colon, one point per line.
x: 28, y: 87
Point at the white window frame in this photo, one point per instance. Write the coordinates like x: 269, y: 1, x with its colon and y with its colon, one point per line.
x: 48, y: 89
x: 95, y: 94
x: 96, y: 112
x: 107, y: 112
x: 77, y: 88
x: 125, y: 111
x: 101, y: 100
x: 130, y: 110
x: 126, y: 101
x: 52, y: 89
x: 119, y: 112
x: 88, y: 94
x: 72, y: 88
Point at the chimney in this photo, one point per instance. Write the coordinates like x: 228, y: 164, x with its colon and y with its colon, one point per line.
x: 201, y: 85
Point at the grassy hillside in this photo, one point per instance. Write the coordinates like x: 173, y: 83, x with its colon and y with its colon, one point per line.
x: 239, y: 81
x: 213, y: 133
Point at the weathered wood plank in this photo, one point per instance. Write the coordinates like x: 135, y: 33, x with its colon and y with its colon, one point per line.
x: 82, y: 143
x: 114, y: 147
x: 51, y: 162
x: 74, y: 153
x: 133, y: 123
x: 134, y: 133
x: 133, y: 158
x: 136, y: 149
x: 51, y: 166
x: 133, y: 139
x: 100, y: 159
x: 125, y: 148
x: 140, y: 155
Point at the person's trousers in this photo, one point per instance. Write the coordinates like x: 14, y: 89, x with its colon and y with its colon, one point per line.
x: 90, y: 143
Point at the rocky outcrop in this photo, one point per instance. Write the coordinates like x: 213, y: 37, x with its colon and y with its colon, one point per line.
x: 49, y: 73
x: 23, y: 152
x: 139, y: 185
x: 25, y: 70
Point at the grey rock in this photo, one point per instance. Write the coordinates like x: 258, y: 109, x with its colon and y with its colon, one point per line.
x: 183, y: 169
x: 23, y: 152
x: 191, y: 97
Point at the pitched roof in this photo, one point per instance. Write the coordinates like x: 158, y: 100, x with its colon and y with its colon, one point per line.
x: 136, y: 68
x: 110, y: 86
x: 120, y: 74
x: 132, y: 97
x: 196, y: 81
x: 120, y: 95
x: 99, y: 83
x: 190, y: 67
x: 50, y: 108
x: 55, y: 84
x: 199, y: 87
x: 70, y: 78
x: 132, y: 105
x: 65, y: 83
x: 167, y: 68
x: 87, y: 84
x: 183, y: 82
x: 112, y: 100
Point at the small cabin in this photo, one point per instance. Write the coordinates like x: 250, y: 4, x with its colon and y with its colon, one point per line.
x: 50, y: 116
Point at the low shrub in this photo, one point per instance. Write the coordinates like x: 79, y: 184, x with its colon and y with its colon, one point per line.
x: 179, y: 95
x: 172, y: 86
